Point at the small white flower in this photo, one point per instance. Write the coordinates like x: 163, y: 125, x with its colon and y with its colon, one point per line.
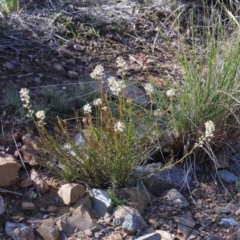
x: 210, y: 128
x: 116, y: 86
x: 119, y: 127
x: 97, y: 102
x: 40, y: 115
x: 171, y: 93
x: 104, y: 108
x: 24, y: 94
x: 157, y: 113
x: 98, y: 72
x: 120, y: 62
x: 148, y: 88
x: 87, y: 108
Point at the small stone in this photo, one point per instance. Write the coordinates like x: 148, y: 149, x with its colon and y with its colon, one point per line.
x: 96, y: 235
x: 64, y: 52
x: 196, y: 194
x: 229, y: 222
x: 232, y: 237
x: 71, y: 62
x: 43, y: 210
x: 175, y: 198
x: 117, y: 221
x: 9, y: 65
x: 101, y: 202
x: 230, y: 208
x: 216, y: 237
x: 18, y: 231
x: 115, y: 236
x: 8, y: 170
x: 37, y: 80
x: 48, y: 231
x: 78, y: 47
x: 2, y: 205
x: 130, y: 223
x: 26, y: 183
x: 150, y: 230
x: 58, y: 67
x: 150, y: 236
x: 88, y: 233
x: 39, y: 184
x: 227, y: 176
x: 78, y: 222
x: 72, y: 74
x: 165, y: 235
x: 30, y: 156
x: 153, y: 223
x: 52, y: 209
x: 71, y: 192
x: 27, y: 206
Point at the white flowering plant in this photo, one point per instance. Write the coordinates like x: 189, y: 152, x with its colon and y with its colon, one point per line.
x: 110, y: 144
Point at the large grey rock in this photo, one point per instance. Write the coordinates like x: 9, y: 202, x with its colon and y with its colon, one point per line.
x: 150, y: 236
x: 18, y: 231
x: 101, y: 202
x: 8, y: 170
x: 155, y: 179
x: 227, y: 176
x: 130, y: 222
x: 2, y: 206
x: 120, y: 212
x: 135, y: 197
x: 175, y: 198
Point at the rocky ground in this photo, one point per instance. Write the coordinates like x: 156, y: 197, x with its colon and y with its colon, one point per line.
x: 51, y: 51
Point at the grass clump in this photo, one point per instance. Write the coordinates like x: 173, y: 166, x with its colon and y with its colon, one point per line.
x: 209, y: 92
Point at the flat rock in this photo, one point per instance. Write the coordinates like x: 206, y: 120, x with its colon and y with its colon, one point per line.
x: 2, y: 205
x: 19, y: 231
x: 165, y: 235
x: 155, y: 179
x: 115, y: 236
x: 227, y: 176
x: 101, y: 202
x: 83, y: 201
x: 48, y: 231
x: 30, y: 156
x: 185, y: 226
x: 72, y: 74
x: 8, y: 170
x: 230, y: 208
x: 65, y: 52
x: 71, y: 192
x: 135, y: 197
x: 39, y: 184
x: 175, y: 198
x: 26, y: 183
x: 58, y: 67
x: 79, y: 222
x: 150, y: 236
x: 27, y: 206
